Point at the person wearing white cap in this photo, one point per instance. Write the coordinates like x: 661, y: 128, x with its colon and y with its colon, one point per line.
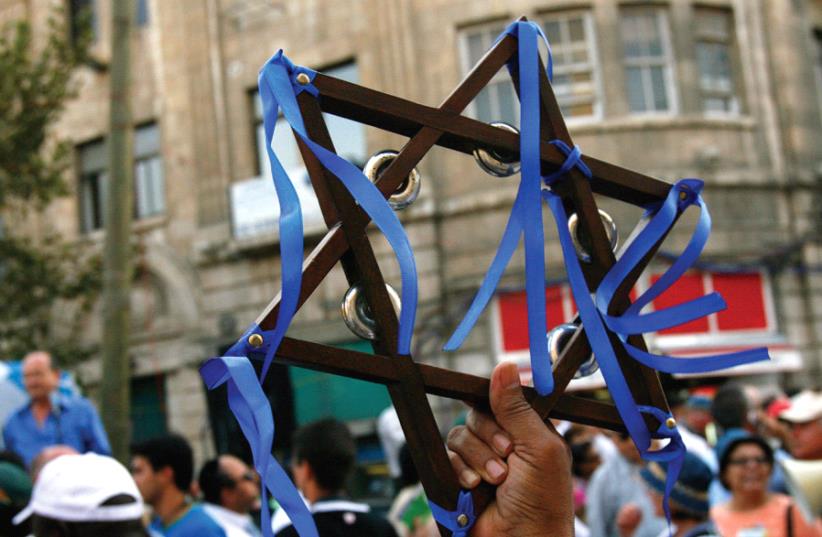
x: 85, y: 495
x: 805, y: 417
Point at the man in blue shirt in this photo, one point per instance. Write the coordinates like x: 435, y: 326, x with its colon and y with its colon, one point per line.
x: 49, y: 419
x: 163, y: 468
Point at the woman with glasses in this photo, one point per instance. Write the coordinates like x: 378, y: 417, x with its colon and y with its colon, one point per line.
x: 745, y: 465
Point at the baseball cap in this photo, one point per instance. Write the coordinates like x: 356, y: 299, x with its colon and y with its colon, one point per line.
x: 777, y: 407
x: 73, y: 488
x: 805, y: 406
x: 15, y: 485
x: 690, y: 491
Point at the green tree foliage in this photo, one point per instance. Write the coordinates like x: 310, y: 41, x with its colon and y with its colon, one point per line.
x: 45, y: 282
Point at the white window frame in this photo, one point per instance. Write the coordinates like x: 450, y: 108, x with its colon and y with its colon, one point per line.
x: 729, y: 42
x: 87, y: 175
x: 593, y: 65
x: 149, y: 165
x: 282, y: 127
x: 152, y: 160
x: 254, y: 205
x: 666, y: 61
x: 489, y: 31
x: 817, y: 68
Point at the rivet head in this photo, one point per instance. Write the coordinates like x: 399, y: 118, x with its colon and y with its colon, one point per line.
x: 255, y: 340
x: 670, y: 423
x: 462, y: 520
x: 303, y: 79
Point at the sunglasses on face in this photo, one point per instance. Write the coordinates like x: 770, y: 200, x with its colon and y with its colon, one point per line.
x: 249, y: 476
x: 744, y: 461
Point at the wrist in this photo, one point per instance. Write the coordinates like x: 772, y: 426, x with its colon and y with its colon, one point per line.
x: 553, y: 526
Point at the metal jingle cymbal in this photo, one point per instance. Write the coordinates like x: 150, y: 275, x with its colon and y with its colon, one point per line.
x: 611, y: 232
x: 495, y: 163
x: 558, y: 337
x: 408, y: 190
x: 356, y: 314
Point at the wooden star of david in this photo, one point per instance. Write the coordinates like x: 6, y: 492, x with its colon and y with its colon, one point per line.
x: 346, y: 241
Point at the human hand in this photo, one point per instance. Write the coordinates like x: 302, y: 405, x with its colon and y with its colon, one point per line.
x: 525, y: 457
x: 425, y: 527
x: 628, y: 519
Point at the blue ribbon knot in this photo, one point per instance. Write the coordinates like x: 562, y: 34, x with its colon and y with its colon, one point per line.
x: 573, y: 160
x: 451, y: 519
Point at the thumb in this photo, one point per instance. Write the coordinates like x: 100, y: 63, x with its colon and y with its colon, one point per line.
x: 511, y: 411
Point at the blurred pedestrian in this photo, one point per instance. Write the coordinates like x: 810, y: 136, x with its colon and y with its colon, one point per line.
x: 688, y: 500
x: 50, y: 418
x: 733, y: 412
x: 805, y: 418
x: 163, y: 468
x: 776, y: 431
x: 389, y: 431
x: 15, y: 492
x: 231, y: 491
x: 409, y: 513
x: 85, y: 496
x: 323, y: 459
x: 745, y: 465
x: 47, y: 455
x: 615, y: 484
x: 730, y: 410
x: 697, y: 413
x: 584, y: 461
x: 681, y: 406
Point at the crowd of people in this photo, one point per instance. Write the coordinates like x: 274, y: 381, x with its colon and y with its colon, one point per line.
x: 57, y: 477
x: 731, y: 483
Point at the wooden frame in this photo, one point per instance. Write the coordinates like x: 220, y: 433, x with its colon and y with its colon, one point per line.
x: 347, y: 242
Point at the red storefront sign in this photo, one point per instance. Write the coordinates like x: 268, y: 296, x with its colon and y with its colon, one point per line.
x: 749, y: 321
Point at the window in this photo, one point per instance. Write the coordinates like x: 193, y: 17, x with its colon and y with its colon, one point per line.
x: 83, y: 18
x: 348, y: 136
x: 497, y: 101
x: 93, y: 184
x: 713, y: 57
x: 149, y: 186
x: 141, y: 13
x: 647, y: 59
x: 817, y: 34
x: 575, y: 83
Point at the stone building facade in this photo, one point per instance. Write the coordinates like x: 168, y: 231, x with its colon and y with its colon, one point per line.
x: 725, y: 90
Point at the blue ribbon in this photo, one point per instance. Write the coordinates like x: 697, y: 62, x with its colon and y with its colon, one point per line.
x: 683, y: 194
x: 526, y: 209
x: 450, y: 519
x: 673, y: 454
x: 291, y: 221
x: 595, y: 330
x: 594, y: 319
x: 278, y: 88
x: 253, y: 412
